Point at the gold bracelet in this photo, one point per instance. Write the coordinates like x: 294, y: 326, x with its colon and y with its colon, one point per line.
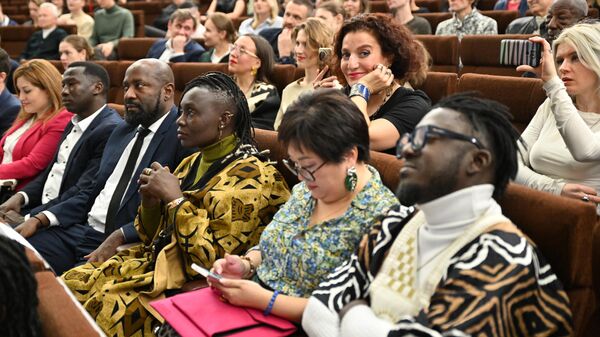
x: 252, y: 270
x: 175, y: 203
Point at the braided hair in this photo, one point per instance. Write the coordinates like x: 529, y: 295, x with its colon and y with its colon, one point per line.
x: 18, y: 292
x: 227, y: 91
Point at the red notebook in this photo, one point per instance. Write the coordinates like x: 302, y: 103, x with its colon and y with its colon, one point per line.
x: 201, y: 313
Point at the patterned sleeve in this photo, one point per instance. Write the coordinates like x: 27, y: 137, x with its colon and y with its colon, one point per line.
x: 499, y: 285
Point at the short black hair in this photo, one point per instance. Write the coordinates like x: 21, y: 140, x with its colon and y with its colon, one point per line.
x: 327, y: 123
x: 222, y: 86
x: 491, y: 121
x: 4, y: 62
x: 18, y: 292
x: 95, y: 70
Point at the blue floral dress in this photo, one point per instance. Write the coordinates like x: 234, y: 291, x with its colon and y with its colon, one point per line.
x: 296, y: 257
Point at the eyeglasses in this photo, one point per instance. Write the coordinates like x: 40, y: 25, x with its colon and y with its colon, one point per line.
x: 241, y: 50
x: 420, y: 136
x: 298, y: 170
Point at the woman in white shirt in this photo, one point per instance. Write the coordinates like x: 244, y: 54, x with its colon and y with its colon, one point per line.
x: 265, y: 16
x: 563, y: 139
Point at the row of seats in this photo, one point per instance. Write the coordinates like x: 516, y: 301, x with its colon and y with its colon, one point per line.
x: 438, y: 85
x: 566, y: 231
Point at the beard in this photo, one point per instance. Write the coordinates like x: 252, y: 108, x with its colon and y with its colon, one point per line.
x: 442, y: 182
x: 142, y: 117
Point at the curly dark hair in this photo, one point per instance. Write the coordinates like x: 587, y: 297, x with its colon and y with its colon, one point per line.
x: 410, y: 60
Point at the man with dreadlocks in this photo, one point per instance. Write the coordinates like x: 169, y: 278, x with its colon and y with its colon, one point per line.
x: 18, y: 292
x: 217, y: 201
x: 453, y: 265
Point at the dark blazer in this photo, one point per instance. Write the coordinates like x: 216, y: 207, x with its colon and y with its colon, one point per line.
x: 526, y: 25
x: 192, y: 51
x: 39, y: 48
x: 164, y: 148
x: 9, y: 109
x: 272, y: 35
x: 82, y: 164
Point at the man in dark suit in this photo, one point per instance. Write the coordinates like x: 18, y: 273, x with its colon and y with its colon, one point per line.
x: 9, y: 104
x: 179, y: 47
x: 296, y: 12
x: 103, y: 214
x: 85, y: 90
x: 43, y: 44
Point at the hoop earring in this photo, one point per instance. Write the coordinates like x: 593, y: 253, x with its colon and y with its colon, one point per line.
x: 221, y: 131
x: 351, y: 179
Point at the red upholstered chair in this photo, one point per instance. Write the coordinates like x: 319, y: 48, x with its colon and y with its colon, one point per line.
x: 378, y: 6
x: 282, y: 75
x: 439, y: 85
x: 151, y: 9
x: 185, y: 72
x: 481, y: 54
x: 503, y: 18
x: 133, y: 49
x: 14, y: 38
x: 443, y: 51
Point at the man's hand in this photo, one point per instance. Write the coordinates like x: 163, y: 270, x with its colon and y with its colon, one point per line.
x: 284, y: 43
x: 29, y: 227
x: 106, y: 48
x: 14, y: 203
x: 178, y: 43
x: 108, y: 248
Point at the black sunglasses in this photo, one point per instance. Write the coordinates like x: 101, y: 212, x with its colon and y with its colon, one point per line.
x: 420, y: 136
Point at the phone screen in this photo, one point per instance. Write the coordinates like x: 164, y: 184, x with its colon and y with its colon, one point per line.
x: 205, y: 272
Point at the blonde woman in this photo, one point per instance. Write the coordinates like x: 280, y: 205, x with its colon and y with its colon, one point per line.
x: 265, y: 16
x: 563, y: 138
x: 308, y: 37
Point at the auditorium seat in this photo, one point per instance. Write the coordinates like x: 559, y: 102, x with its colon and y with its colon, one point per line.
x: 439, y: 85
x: 185, y: 72
x: 133, y: 49
x: 443, y: 50
x: 151, y: 9
x: 139, y: 20
x: 522, y: 95
x: 14, y: 38
x: 503, y: 18
x: 435, y: 18
x: 283, y: 74
x: 432, y: 5
x: 562, y: 228
x: 481, y: 54
x: 378, y: 6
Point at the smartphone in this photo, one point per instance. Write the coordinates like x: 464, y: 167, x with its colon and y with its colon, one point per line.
x: 205, y: 272
x: 520, y: 52
x: 325, y: 56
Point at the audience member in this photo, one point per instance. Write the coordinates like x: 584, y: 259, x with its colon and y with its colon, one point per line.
x: 219, y: 37
x: 161, y: 23
x: 30, y: 143
x: 74, y: 48
x: 9, y: 104
x: 401, y: 12
x: 454, y: 265
x: 33, y: 6
x: 179, y: 47
x: 466, y: 20
x: 313, y: 40
x: 5, y: 20
x: 18, y: 292
x: 60, y: 6
x: 296, y: 12
x: 535, y: 24
x: 564, y: 14
x: 76, y: 16
x: 512, y: 5
x: 213, y: 204
x: 379, y: 61
x: 232, y: 8
x: 251, y: 64
x: 43, y: 44
x: 75, y: 164
x: 332, y: 13
x: 562, y: 146
x: 355, y: 7
x: 98, y: 219
x: 111, y: 23
x: 339, y: 199
x: 265, y: 16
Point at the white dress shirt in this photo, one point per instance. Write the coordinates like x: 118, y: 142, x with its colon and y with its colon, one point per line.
x: 169, y: 52
x: 12, y: 140
x: 97, y: 215
x: 46, y: 32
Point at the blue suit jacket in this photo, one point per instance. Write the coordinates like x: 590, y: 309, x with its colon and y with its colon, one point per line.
x: 164, y: 148
x: 82, y: 164
x: 9, y: 109
x: 192, y: 51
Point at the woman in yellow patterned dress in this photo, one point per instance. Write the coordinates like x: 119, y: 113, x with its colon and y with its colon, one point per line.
x: 217, y: 201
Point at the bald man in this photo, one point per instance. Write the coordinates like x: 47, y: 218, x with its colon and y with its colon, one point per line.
x: 43, y: 44
x: 101, y: 218
x: 564, y: 14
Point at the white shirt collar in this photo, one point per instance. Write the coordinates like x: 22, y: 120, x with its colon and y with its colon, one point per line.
x: 83, y: 124
x: 154, y: 127
x: 46, y: 32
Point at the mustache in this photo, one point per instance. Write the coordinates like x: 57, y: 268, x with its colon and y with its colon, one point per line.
x: 130, y: 102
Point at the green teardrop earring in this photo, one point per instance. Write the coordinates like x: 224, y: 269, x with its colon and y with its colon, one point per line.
x: 351, y: 179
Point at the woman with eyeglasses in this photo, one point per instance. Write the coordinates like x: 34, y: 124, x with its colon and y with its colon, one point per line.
x: 338, y: 200
x: 251, y: 62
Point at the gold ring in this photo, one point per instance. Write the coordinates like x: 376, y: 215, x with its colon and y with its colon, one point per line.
x: 147, y: 171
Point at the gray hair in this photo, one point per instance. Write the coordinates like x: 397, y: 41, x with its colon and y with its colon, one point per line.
x: 51, y: 6
x: 580, y: 6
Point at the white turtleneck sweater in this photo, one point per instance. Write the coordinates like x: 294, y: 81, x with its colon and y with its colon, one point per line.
x: 446, y: 219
